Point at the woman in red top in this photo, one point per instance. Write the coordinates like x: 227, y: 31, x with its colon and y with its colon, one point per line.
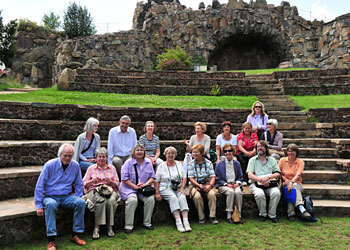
x: 246, y: 147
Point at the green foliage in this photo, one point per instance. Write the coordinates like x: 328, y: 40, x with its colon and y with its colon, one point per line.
x: 215, y: 91
x: 199, y: 60
x: 52, y: 95
x: 7, y: 41
x: 51, y: 21
x: 174, y: 59
x: 77, y: 21
x: 26, y: 25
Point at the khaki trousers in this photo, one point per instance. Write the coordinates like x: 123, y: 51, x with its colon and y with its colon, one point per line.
x: 199, y: 204
x: 232, y: 195
x: 260, y: 198
x: 299, y: 199
x: 130, y: 207
x: 105, y: 211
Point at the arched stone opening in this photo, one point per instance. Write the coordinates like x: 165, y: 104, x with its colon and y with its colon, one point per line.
x: 251, y: 51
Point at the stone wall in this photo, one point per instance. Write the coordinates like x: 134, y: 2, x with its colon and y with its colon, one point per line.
x: 330, y: 114
x: 35, y: 55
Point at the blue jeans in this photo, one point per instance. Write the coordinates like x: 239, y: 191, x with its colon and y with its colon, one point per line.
x: 84, y: 165
x: 51, y: 204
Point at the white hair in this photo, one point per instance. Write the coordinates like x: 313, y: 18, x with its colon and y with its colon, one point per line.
x: 62, y: 147
x: 89, y: 125
x: 274, y: 122
x: 125, y: 117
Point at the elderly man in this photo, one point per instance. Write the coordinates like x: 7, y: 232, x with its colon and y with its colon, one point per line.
x: 54, y: 190
x: 263, y: 173
x: 121, y: 140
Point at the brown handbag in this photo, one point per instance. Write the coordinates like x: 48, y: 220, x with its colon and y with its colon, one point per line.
x: 235, y: 215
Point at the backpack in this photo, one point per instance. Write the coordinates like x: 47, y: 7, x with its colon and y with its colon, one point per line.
x: 309, y: 206
x: 213, y: 156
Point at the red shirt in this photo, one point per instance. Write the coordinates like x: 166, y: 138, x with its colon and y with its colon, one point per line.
x: 247, y: 144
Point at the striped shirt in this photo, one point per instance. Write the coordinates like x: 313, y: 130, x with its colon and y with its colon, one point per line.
x: 201, y: 172
x: 150, y: 145
x: 95, y: 171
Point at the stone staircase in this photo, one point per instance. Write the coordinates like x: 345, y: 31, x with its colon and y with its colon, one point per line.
x: 30, y: 134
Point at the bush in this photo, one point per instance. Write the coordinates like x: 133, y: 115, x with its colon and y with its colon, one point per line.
x: 51, y: 21
x: 7, y: 41
x: 174, y: 59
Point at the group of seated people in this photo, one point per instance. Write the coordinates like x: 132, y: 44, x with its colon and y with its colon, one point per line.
x: 132, y: 170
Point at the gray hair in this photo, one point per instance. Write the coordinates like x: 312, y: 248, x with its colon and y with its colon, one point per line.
x: 125, y: 117
x: 274, y: 122
x: 89, y: 125
x: 170, y: 149
x: 62, y: 147
x: 102, y: 150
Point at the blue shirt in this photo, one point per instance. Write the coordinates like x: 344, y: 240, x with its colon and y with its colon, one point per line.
x: 53, y: 180
x: 201, y: 172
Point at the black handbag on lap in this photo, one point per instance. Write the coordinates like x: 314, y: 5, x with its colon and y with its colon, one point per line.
x: 146, y: 190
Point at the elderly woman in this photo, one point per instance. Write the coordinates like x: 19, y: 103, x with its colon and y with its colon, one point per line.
x: 86, y: 144
x: 273, y: 138
x: 170, y: 185
x: 258, y: 118
x: 151, y: 144
x: 98, y: 177
x: 202, y: 177
x: 224, y: 138
x: 292, y: 169
x: 229, y: 181
x: 141, y: 167
x: 198, y: 138
x: 246, y: 141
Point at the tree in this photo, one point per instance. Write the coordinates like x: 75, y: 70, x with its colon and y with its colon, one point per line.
x: 51, y: 21
x: 7, y: 41
x: 77, y: 21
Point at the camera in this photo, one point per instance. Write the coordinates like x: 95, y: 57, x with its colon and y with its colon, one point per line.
x: 175, y: 184
x: 202, y: 181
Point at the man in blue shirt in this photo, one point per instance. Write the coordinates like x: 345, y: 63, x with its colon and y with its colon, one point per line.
x: 121, y: 140
x: 54, y: 190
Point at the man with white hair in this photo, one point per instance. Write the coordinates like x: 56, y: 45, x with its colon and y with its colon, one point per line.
x: 121, y: 140
x: 54, y: 190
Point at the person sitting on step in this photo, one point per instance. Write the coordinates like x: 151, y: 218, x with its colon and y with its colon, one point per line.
x: 273, y: 138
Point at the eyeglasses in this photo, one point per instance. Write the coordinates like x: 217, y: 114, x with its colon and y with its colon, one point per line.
x: 228, y: 151
x: 257, y: 107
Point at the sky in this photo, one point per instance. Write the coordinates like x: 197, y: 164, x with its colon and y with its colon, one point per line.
x: 116, y: 15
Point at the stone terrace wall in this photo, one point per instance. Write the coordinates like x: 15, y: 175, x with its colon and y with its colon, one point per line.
x: 331, y: 114
x: 200, y: 32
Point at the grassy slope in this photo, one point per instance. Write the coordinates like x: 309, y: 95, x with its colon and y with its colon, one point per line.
x: 322, y: 101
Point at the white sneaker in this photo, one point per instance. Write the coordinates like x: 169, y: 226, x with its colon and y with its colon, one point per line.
x: 96, y: 234
x: 187, y: 227
x: 180, y: 228
x: 245, y: 183
x: 110, y: 232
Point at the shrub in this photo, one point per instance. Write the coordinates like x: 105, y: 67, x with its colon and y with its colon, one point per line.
x: 174, y: 59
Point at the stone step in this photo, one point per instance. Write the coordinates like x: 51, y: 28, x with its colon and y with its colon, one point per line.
x: 309, y: 142
x: 318, y: 153
x: 267, y: 92
x: 270, y: 108
x: 18, y: 182
x: 273, y: 97
x: 324, y: 177
x: 324, y: 164
x: 289, y: 119
x: 283, y: 113
x: 337, y: 208
x: 300, y: 133
x: 327, y: 191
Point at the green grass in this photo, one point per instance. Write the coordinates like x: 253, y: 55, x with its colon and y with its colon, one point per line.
x: 327, y: 233
x: 269, y: 71
x: 52, y: 95
x: 322, y: 101
x: 9, y: 83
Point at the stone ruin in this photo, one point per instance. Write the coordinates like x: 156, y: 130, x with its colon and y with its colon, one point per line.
x: 236, y: 35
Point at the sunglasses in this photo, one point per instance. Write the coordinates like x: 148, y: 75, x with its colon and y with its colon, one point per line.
x: 269, y: 123
x: 258, y: 107
x: 227, y: 151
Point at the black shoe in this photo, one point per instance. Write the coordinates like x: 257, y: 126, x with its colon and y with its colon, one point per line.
x: 213, y: 220
x: 306, y: 215
x: 241, y: 221
x: 128, y: 231
x: 274, y: 220
x: 262, y: 218
x: 229, y: 221
x: 148, y: 227
x: 291, y: 218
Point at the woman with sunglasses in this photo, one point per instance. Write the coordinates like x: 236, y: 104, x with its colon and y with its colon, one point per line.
x: 258, y: 118
x: 273, y: 138
x: 229, y: 179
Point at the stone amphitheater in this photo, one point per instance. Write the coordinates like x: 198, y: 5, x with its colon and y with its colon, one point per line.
x: 30, y: 133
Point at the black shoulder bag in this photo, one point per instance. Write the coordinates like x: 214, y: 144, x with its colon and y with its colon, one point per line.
x: 147, y: 190
x: 92, y: 139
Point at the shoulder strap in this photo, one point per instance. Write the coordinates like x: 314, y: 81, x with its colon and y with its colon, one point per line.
x: 137, y: 176
x: 92, y: 138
